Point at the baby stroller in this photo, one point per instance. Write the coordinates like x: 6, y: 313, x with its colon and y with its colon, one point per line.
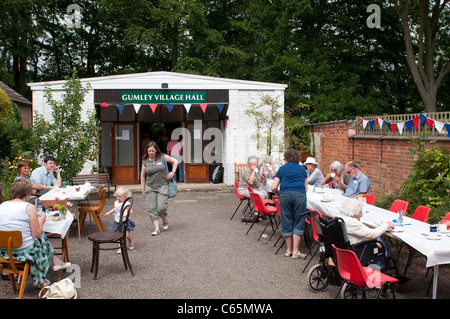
x: 325, y: 273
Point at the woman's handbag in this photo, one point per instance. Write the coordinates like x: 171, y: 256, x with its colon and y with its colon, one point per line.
x: 63, y: 289
x: 172, y: 181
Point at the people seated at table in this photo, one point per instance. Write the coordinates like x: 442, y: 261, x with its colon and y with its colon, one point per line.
x: 267, y: 170
x: 351, y: 211
x: 43, y: 176
x: 291, y: 177
x: 23, y: 171
x: 18, y: 214
x: 315, y: 176
x: 359, y: 183
x: 253, y: 178
x: 338, y: 178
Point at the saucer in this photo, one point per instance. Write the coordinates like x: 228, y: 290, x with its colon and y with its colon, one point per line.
x: 326, y: 200
x: 427, y: 234
x: 433, y: 237
x: 398, y: 229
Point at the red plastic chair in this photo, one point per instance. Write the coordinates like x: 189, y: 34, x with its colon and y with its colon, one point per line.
x: 365, y: 278
x: 370, y: 198
x: 399, y: 204
x: 446, y: 218
x: 421, y: 213
x: 260, y: 207
x: 242, y: 199
x: 311, y: 219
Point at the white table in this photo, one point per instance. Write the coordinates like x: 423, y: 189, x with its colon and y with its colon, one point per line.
x: 72, y: 194
x: 436, y: 251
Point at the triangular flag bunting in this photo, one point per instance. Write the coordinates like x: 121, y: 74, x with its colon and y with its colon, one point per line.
x: 376, y: 121
x: 203, y: 106
x: 371, y: 124
x: 120, y: 107
x: 400, y: 127
x: 365, y: 123
x: 416, y: 122
x: 170, y: 107
x: 447, y: 127
x: 187, y: 107
x: 136, y: 107
x: 393, y: 127
x: 388, y: 125
x: 360, y: 120
x: 104, y: 104
x: 380, y: 122
x: 153, y: 107
x: 220, y: 107
x: 409, y: 125
x: 430, y: 122
x: 439, y: 126
x: 423, y: 119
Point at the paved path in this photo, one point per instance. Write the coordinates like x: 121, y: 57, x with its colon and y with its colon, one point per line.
x: 203, y: 255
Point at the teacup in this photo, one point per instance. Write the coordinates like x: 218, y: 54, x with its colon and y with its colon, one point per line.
x: 442, y: 227
x: 333, y: 175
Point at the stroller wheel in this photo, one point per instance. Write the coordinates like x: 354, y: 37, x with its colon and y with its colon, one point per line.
x: 317, y: 278
x: 349, y: 291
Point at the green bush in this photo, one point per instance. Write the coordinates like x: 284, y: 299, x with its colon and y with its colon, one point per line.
x: 428, y: 185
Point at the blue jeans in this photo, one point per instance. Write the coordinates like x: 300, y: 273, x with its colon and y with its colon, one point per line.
x: 179, y: 170
x: 293, y: 205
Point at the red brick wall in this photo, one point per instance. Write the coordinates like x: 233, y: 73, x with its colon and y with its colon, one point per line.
x: 385, y: 161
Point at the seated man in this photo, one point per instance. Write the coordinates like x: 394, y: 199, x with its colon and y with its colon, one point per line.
x: 359, y: 183
x: 43, y: 176
x: 252, y: 177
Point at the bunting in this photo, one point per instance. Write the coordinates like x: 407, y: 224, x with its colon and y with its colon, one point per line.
x: 187, y: 106
x: 416, y: 122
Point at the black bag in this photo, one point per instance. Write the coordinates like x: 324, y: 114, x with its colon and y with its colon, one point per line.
x: 249, y: 217
x: 218, y: 174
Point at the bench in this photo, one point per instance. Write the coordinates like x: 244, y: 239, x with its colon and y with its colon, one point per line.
x: 238, y: 170
x: 97, y: 180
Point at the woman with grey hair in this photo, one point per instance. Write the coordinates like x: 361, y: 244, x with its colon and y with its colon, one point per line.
x: 252, y: 178
x: 337, y: 176
x: 268, y: 171
x: 351, y: 212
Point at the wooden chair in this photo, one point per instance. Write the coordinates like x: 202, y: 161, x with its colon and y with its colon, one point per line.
x: 11, y: 240
x: 113, y: 237
x: 238, y: 170
x: 95, y: 209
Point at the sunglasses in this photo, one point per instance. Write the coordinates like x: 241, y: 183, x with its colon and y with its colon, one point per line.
x: 348, y: 172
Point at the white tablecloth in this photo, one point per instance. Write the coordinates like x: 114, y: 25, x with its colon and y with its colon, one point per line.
x: 69, y: 192
x: 436, y: 251
x: 60, y: 227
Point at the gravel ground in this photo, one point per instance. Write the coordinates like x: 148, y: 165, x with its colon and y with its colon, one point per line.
x: 205, y: 255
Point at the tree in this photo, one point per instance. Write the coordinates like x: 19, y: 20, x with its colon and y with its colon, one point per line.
x: 425, y: 33
x: 71, y: 139
x: 268, y: 118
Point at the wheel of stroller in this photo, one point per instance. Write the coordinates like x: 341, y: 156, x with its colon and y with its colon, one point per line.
x: 317, y: 278
x: 349, y: 291
x: 386, y: 291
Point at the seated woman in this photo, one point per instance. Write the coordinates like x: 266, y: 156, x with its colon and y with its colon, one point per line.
x: 351, y: 212
x: 23, y: 171
x: 337, y: 176
x: 252, y: 177
x: 314, y: 174
x: 267, y: 170
x: 18, y: 214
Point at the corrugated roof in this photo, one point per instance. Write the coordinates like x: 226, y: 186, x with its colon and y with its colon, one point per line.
x: 13, y: 95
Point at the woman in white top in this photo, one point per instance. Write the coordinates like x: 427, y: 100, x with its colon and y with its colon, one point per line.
x: 351, y: 212
x: 18, y: 214
x: 315, y: 175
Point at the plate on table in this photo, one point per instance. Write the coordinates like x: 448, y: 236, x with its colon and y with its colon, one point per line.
x: 433, y: 237
x: 320, y: 190
x: 428, y: 235
x: 326, y: 199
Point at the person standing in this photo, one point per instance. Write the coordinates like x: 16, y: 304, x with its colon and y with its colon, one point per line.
x: 43, y: 176
x: 155, y: 185
x: 175, y: 149
x: 293, y: 183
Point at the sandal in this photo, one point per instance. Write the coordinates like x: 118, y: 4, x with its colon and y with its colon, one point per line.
x: 298, y: 255
x: 155, y: 233
x: 288, y: 253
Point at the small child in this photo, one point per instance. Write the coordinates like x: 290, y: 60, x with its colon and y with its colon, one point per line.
x: 121, y: 195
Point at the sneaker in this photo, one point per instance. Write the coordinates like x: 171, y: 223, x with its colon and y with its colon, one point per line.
x: 155, y: 233
x: 166, y: 226
x: 131, y: 247
x: 119, y: 251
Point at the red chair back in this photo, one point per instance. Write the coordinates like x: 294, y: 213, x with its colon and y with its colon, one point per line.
x: 277, y: 205
x: 236, y: 190
x: 349, y: 267
x: 421, y: 213
x: 370, y: 198
x: 314, y: 224
x: 399, y: 204
x: 259, y: 205
x: 446, y: 218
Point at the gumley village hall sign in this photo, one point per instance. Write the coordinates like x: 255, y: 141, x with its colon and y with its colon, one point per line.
x: 127, y: 97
